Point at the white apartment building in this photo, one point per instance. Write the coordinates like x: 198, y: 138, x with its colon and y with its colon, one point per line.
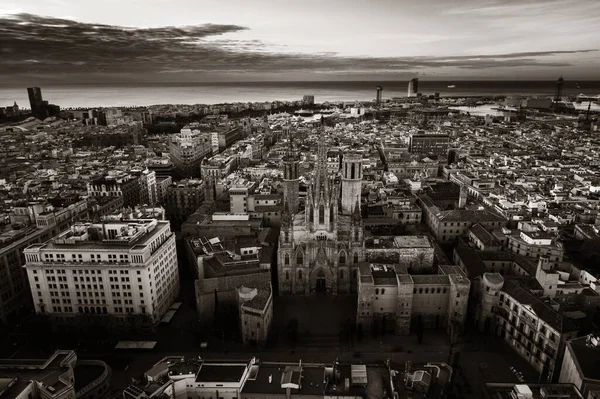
x: 116, y: 267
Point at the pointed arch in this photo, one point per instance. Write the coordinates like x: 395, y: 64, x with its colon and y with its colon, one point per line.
x: 355, y: 259
x: 286, y: 259
x: 342, y: 258
x: 300, y: 258
x: 287, y: 275
x: 300, y: 275
x: 321, y: 214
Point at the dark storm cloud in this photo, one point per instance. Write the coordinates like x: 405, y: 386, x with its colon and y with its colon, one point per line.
x: 31, y: 44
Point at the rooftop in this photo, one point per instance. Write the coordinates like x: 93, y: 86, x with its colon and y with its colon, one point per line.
x: 587, y: 356
x: 542, y: 309
x: 221, y: 372
x: 50, y: 373
x: 503, y: 390
x: 110, y: 234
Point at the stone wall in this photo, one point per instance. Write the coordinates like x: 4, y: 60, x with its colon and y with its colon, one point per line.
x: 364, y: 313
x: 225, y: 288
x: 404, y: 305
x: 459, y: 300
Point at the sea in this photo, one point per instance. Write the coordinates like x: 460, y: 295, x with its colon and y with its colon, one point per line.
x: 125, y: 95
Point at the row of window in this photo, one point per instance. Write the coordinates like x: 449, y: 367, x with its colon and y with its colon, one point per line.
x: 300, y: 275
x: 433, y: 290
x: 300, y: 258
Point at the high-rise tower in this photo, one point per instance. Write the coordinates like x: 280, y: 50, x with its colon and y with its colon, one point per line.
x: 413, y: 87
x: 291, y: 181
x: 351, y: 182
x: 36, y: 102
x: 379, y: 95
x: 559, y: 88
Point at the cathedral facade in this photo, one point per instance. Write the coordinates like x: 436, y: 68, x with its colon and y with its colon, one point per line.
x: 321, y: 246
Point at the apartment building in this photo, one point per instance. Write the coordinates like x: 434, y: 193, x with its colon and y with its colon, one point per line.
x: 127, y: 186
x: 187, y: 150
x: 123, y: 268
x: 580, y: 365
x: 436, y: 144
x: 61, y: 376
x: 43, y: 224
x: 535, y: 244
x: 182, y: 199
x: 531, y: 324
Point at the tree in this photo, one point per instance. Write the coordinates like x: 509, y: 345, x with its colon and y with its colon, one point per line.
x: 420, y: 329
x: 374, y: 329
x: 292, y: 330
x: 421, y: 259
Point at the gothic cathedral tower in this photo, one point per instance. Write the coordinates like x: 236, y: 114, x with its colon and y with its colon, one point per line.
x: 291, y: 181
x: 352, y: 175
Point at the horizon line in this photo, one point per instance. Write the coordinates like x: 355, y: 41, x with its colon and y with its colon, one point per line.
x: 293, y: 81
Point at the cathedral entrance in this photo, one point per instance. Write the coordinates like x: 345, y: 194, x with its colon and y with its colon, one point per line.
x: 321, y: 283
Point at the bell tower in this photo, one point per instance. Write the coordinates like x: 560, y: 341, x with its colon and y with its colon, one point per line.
x: 352, y: 175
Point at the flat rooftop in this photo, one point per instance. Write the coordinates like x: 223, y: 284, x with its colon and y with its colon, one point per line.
x: 220, y: 372
x: 399, y: 242
x: 503, y: 391
x: 142, y: 230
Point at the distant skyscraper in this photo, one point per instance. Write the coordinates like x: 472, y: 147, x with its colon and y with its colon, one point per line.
x: 413, y: 87
x: 38, y: 110
x: 379, y: 94
x: 308, y: 99
x: 559, y: 88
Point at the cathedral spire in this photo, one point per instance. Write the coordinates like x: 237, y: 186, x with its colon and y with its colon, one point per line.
x: 356, y: 216
x: 321, y: 180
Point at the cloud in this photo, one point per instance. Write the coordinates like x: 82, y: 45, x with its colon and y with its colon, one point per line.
x: 35, y: 45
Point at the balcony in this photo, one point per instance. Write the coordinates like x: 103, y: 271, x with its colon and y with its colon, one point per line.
x: 550, y: 351
x: 502, y: 313
x: 530, y: 321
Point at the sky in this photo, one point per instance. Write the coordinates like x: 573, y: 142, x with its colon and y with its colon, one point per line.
x: 112, y: 41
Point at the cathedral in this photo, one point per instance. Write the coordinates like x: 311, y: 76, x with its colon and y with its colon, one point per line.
x: 321, y: 246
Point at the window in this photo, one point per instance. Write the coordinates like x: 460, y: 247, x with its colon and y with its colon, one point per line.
x: 299, y: 274
x: 286, y: 259
x: 342, y: 260
x: 376, y: 291
x: 355, y: 260
x: 322, y: 214
x: 287, y: 275
x: 300, y: 258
